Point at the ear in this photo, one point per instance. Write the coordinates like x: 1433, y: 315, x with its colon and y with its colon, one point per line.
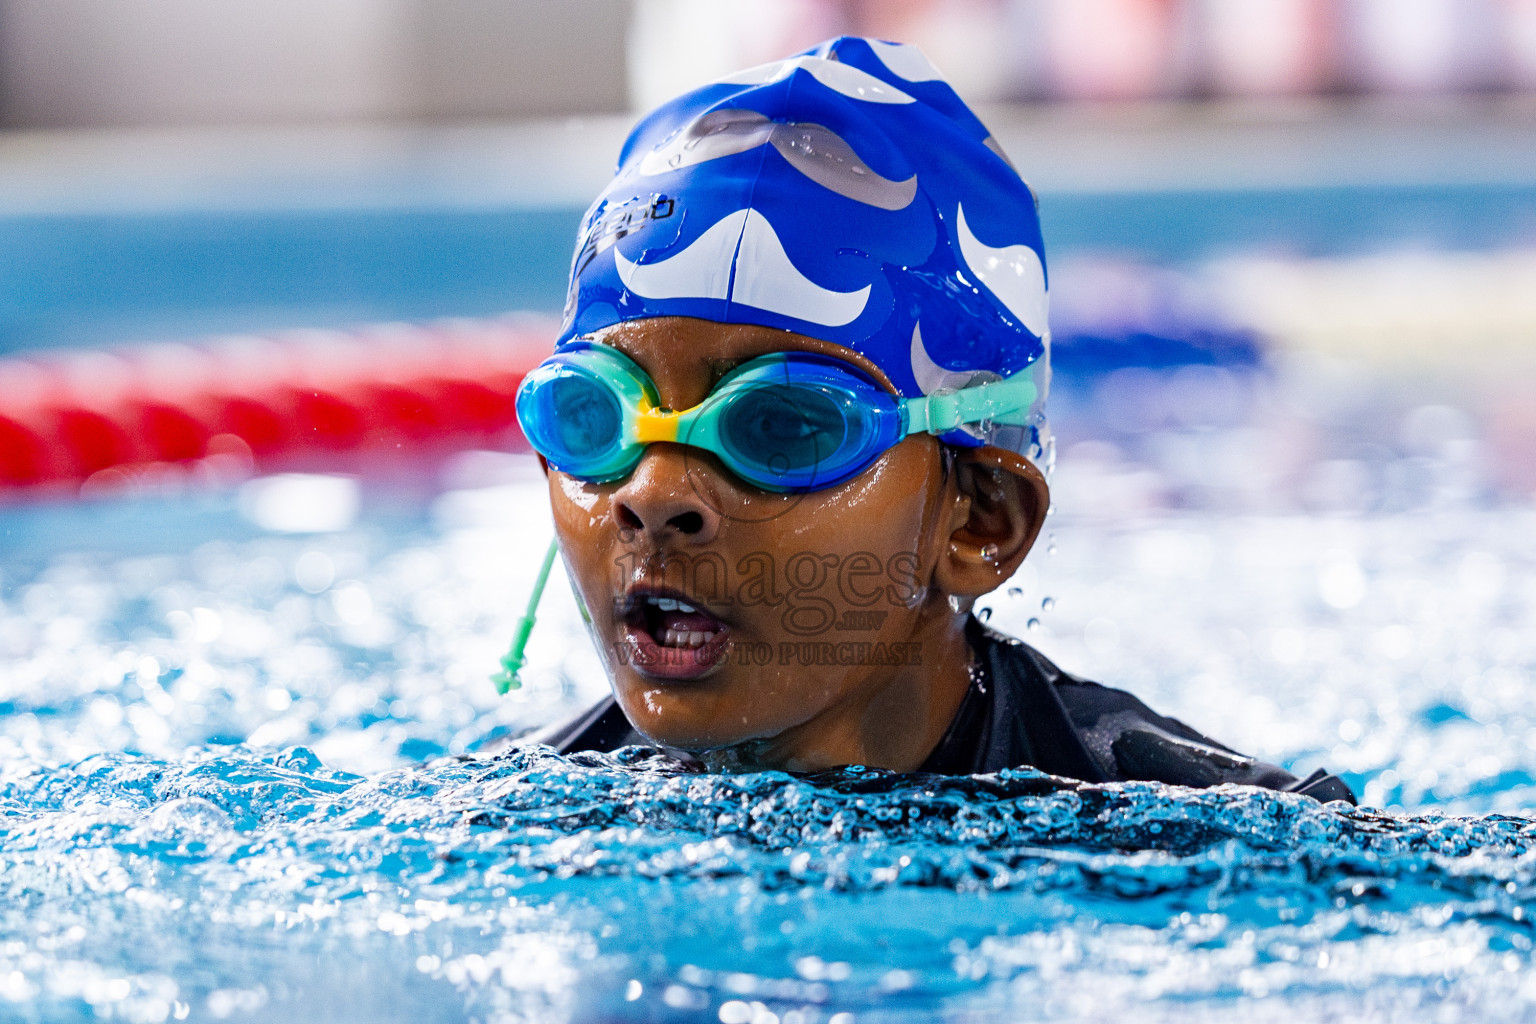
x: 999, y: 508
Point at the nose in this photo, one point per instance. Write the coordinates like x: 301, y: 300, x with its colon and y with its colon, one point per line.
x: 660, y: 501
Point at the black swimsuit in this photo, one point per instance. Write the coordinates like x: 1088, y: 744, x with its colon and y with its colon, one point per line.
x: 1021, y: 710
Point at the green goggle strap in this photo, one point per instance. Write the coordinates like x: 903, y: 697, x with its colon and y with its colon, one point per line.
x: 1002, y: 401
x: 512, y: 662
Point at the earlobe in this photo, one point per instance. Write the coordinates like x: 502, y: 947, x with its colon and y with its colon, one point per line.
x: 1006, y: 499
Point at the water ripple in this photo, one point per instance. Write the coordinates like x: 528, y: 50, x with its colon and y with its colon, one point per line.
x: 517, y: 887
x: 231, y: 790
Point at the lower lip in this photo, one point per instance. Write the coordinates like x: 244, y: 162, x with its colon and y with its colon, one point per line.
x: 657, y: 661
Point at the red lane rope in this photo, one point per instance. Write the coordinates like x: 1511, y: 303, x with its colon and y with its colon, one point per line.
x: 315, y: 400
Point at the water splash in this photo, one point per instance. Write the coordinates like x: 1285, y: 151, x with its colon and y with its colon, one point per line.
x: 533, y: 886
x: 229, y: 790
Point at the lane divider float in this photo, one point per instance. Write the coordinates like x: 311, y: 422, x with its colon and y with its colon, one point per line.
x: 87, y: 421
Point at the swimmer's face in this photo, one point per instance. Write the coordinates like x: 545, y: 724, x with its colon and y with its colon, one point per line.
x: 800, y: 630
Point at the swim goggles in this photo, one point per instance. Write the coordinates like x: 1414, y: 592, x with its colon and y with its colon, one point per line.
x: 785, y: 422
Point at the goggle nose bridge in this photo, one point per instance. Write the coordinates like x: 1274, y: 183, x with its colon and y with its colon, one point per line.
x: 660, y: 424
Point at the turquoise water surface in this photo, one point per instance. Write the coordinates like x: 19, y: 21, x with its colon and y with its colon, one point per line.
x: 232, y: 788
x: 252, y: 775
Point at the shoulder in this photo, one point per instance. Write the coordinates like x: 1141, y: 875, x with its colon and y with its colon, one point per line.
x: 601, y: 727
x: 1129, y: 741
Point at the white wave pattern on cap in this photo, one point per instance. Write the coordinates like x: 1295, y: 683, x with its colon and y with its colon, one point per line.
x: 814, y: 150
x: 906, y: 61
x: 701, y: 271
x: 1013, y: 273
x: 835, y: 75
x: 764, y: 279
x: 930, y: 376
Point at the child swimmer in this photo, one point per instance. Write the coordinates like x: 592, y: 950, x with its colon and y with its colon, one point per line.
x: 793, y: 426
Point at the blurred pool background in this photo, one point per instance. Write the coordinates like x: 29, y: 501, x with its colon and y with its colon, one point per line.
x: 1293, y: 269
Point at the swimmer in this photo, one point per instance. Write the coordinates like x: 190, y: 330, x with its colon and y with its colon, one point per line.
x: 794, y: 427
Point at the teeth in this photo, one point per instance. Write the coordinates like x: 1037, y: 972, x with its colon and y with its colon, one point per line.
x: 672, y: 604
x: 686, y: 638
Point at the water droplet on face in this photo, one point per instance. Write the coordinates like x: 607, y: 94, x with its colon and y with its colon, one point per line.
x: 984, y: 614
x: 1032, y: 625
x: 1047, y: 604
x: 989, y: 552
x: 1015, y: 591
x: 954, y: 603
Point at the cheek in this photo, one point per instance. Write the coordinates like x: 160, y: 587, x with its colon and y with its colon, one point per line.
x: 578, y: 507
x: 579, y: 493
x: 582, y: 525
x: 857, y: 558
x: 885, y: 507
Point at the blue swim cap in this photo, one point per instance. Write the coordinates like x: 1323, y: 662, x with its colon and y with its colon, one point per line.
x: 847, y: 194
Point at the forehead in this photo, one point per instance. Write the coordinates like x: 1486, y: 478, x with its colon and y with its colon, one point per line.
x: 685, y: 356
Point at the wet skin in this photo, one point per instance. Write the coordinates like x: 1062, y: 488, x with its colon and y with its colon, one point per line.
x: 907, y: 533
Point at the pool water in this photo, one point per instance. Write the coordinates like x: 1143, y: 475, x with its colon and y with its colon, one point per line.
x: 252, y: 775
x: 232, y: 783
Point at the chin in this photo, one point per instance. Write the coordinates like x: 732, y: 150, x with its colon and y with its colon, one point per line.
x: 692, y: 716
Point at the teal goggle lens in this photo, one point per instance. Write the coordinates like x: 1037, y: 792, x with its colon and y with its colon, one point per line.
x: 574, y: 418
x: 782, y: 422
x: 795, y: 426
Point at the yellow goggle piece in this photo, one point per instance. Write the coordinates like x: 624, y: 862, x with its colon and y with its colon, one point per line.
x: 653, y: 425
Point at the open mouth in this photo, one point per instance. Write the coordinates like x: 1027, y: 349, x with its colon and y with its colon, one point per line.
x: 668, y: 637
